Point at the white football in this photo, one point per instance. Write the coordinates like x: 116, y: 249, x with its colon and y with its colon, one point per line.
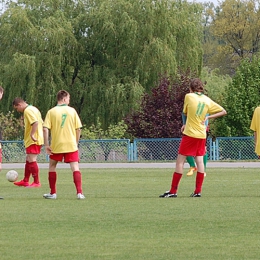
x: 12, y: 175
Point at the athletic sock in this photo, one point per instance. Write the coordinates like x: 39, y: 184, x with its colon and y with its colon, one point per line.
x: 176, y: 177
x: 35, y: 171
x: 52, y: 181
x: 191, y: 161
x: 27, y: 172
x: 199, y: 182
x: 77, y: 181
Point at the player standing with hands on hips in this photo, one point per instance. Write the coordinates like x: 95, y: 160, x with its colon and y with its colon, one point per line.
x: 196, y: 107
x: 64, y: 125
x: 33, y: 141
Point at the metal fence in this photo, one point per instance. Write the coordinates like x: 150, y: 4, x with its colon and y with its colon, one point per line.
x: 234, y: 148
x: 142, y: 150
x: 14, y: 151
x: 105, y: 150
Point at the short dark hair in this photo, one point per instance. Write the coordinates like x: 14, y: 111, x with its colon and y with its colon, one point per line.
x: 196, y: 85
x: 62, y: 94
x: 17, y: 101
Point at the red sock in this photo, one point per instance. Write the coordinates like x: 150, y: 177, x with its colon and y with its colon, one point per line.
x: 77, y: 181
x: 176, y: 177
x: 199, y: 182
x: 27, y: 172
x: 33, y: 166
x: 52, y: 181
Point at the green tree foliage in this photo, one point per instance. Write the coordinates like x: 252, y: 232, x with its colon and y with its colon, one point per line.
x: 35, y: 38
x: 11, y: 127
x: 210, y: 42
x: 216, y: 88
x: 130, y: 43
x: 105, y: 53
x: 242, y: 97
x: 216, y: 83
x: 235, y: 24
x: 160, y: 113
x: 117, y: 131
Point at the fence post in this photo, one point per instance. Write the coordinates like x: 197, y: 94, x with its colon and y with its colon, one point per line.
x: 134, y: 151
x: 130, y: 152
x: 217, y: 149
x: 214, y: 151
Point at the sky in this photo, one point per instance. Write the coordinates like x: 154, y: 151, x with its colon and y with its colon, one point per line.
x: 206, y: 1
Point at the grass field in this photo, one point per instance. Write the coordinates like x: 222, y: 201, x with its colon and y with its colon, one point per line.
x: 123, y: 218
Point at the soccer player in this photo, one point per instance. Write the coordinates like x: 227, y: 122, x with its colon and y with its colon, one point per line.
x: 64, y: 125
x: 191, y: 159
x: 33, y: 141
x: 1, y: 95
x: 255, y: 126
x: 196, y: 107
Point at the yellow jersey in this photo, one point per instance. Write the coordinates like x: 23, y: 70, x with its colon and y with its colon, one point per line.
x: 255, y: 123
x: 62, y: 121
x: 31, y: 115
x: 196, y: 107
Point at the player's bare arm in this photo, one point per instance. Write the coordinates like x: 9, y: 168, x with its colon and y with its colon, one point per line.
x: 78, y: 132
x: 46, y: 140
x: 219, y: 114
x: 33, y: 131
x: 184, y: 119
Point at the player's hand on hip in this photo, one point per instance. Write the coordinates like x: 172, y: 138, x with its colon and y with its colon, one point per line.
x: 33, y: 138
x: 48, y: 150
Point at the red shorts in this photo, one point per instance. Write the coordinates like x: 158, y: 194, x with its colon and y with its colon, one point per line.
x: 66, y: 157
x: 191, y: 146
x: 33, y: 149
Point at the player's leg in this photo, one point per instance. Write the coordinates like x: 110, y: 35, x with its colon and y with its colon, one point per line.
x: 191, y: 162
x: 199, y: 177
x: 205, y: 160
x: 31, y: 167
x: 205, y: 157
x: 186, y: 149
x: 178, y: 173
x: 73, y: 159
x: 52, y: 177
x: 77, y: 179
x: 27, y: 173
x: 34, y: 170
x: 176, y: 177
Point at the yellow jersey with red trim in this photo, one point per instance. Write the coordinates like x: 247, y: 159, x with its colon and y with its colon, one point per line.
x: 31, y: 114
x: 255, y: 127
x: 196, y: 107
x: 63, y: 121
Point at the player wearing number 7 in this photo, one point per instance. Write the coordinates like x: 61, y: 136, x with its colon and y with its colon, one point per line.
x: 64, y: 125
x: 196, y: 107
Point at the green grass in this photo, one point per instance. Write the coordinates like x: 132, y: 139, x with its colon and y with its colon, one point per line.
x: 123, y: 218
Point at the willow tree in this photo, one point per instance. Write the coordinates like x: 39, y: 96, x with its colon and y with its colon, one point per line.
x: 105, y: 53
x: 37, y: 40
x: 131, y: 44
